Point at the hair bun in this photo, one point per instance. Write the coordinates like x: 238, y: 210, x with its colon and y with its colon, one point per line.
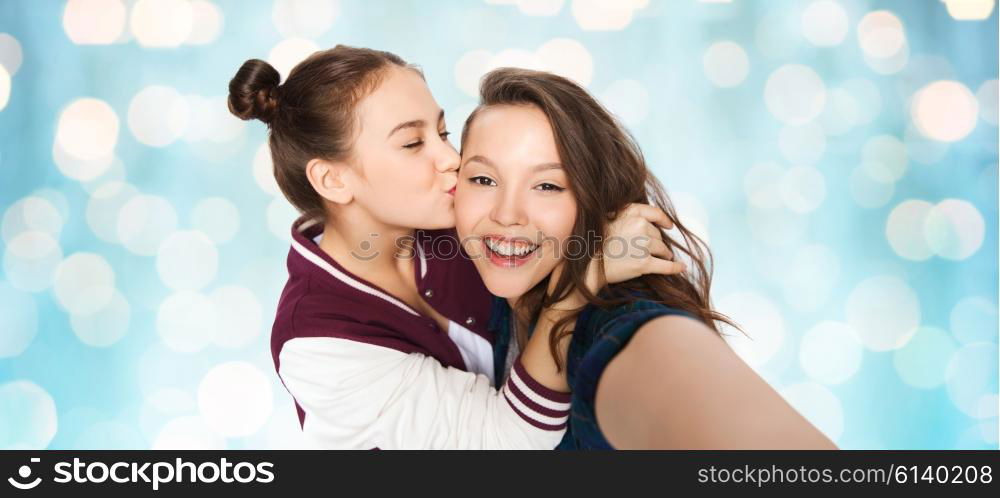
x: 253, y: 91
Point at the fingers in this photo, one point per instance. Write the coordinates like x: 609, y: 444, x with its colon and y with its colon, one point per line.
x: 659, y: 249
x: 652, y: 214
x: 664, y: 267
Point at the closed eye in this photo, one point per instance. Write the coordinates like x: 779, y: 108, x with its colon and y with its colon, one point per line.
x: 418, y: 143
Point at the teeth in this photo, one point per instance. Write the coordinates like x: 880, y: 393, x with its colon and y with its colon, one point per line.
x: 511, y: 249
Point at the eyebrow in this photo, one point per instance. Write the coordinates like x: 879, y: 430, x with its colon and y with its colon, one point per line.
x: 538, y: 167
x: 416, y: 123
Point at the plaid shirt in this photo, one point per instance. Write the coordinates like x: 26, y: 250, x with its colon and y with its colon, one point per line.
x: 597, y: 337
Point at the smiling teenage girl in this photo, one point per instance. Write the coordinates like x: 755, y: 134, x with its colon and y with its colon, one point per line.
x: 542, y: 164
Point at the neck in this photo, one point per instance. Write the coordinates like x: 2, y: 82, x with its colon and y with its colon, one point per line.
x: 364, y: 245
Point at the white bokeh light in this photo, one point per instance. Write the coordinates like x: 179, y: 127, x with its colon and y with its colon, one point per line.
x: 83, y: 170
x: 922, y: 361
x: 972, y: 373
x: 210, y: 120
x: 20, y: 321
x: 113, y: 173
x: 235, y: 399
x: 868, y: 97
x: 304, y: 18
x: 759, y: 317
x: 954, y: 229
x: 568, y: 58
x: 761, y: 185
x: 186, y: 321
x: 693, y: 214
x: 187, y: 260
x: 884, y: 311
x: 157, y: 115
x: 105, y: 205
x: 605, y: 15
x: 87, y: 130
x: 831, y: 352
x: 163, y: 405
x: 216, y: 217
x: 824, y: 23
x: 106, y: 326
x: 627, y: 99
x: 94, y: 22
x: 288, y: 53
x: 469, y: 68
x: 841, y: 113
x: 776, y: 227
x: 144, y: 222
x: 969, y: 10
x: 795, y: 94
x: 206, y: 24
x: 239, y: 316
x: 884, y: 158
x: 540, y: 7
x: 31, y: 213
x: 162, y: 23
x: 263, y: 171
x: 867, y: 192
x: 880, y: 34
x: 30, y: 260
x: 84, y: 283
x: 4, y: 88
x: 27, y: 415
x: 188, y: 433
x: 904, y: 229
x: 818, y: 405
x: 726, y: 64
x: 945, y: 111
x: 11, y: 54
x: 986, y: 95
x: 974, y: 319
x: 802, y: 145
x: 280, y: 215
x: 803, y: 189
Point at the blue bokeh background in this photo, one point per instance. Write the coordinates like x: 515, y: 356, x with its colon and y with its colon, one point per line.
x: 840, y: 157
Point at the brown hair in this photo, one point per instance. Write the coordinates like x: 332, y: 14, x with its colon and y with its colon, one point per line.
x: 311, y: 115
x: 606, y: 172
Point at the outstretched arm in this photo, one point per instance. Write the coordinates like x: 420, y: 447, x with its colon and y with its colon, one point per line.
x: 678, y: 385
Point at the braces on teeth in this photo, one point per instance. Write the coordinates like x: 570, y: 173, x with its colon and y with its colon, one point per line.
x: 509, y: 249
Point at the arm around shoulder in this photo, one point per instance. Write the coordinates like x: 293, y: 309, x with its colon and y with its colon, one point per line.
x: 678, y: 385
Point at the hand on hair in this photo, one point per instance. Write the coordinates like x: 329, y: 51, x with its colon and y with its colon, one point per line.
x: 634, y: 246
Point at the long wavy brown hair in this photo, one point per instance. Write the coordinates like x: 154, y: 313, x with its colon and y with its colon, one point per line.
x: 606, y: 172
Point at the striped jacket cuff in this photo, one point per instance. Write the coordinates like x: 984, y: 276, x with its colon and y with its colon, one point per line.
x: 538, y: 405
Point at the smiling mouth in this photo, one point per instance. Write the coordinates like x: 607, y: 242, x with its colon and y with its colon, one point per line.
x: 507, y: 253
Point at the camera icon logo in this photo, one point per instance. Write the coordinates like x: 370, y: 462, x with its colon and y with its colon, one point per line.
x: 25, y: 472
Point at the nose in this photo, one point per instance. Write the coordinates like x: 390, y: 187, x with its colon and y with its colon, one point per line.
x: 447, y: 160
x: 508, y: 210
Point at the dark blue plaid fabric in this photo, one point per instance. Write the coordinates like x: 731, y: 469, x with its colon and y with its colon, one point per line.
x: 597, y: 337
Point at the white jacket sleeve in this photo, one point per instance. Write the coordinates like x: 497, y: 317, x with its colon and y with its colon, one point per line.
x: 362, y: 396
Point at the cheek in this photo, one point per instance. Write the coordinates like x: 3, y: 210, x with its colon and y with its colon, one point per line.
x: 556, y: 217
x: 469, y: 210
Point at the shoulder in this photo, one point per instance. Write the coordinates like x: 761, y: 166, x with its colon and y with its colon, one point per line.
x: 624, y: 318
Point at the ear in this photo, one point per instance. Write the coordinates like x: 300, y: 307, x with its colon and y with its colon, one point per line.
x: 331, y: 180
